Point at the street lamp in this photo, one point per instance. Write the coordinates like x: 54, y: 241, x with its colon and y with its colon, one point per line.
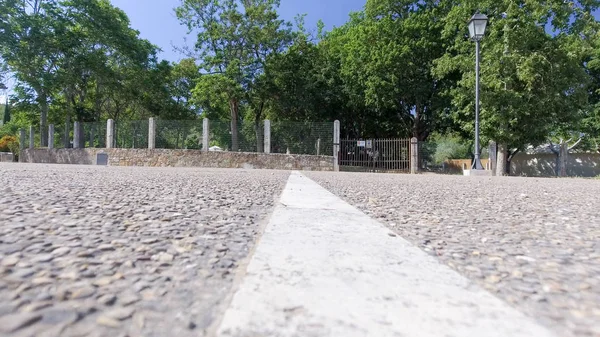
x: 477, y: 27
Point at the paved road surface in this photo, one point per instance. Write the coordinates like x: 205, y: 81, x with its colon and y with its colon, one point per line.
x: 108, y: 251
x: 534, y: 243
x: 87, y: 251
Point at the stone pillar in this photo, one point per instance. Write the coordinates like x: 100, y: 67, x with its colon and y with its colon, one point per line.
x: 110, y: 134
x: 151, y: 133
x: 51, y: 136
x: 31, y: 137
x: 414, y: 155
x: 76, y: 135
x: 336, y: 145
x: 22, y: 139
x: 267, y: 136
x: 205, y: 134
x: 493, y: 150
x: 318, y: 146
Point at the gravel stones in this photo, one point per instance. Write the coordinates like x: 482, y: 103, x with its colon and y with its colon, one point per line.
x: 88, y: 250
x: 14, y: 322
x: 533, y: 242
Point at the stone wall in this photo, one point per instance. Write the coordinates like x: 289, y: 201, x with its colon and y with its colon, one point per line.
x: 544, y: 165
x: 179, y: 158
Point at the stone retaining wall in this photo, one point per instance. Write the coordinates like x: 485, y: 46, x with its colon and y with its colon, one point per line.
x: 179, y: 158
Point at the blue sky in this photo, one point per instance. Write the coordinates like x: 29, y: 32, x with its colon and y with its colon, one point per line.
x: 157, y: 23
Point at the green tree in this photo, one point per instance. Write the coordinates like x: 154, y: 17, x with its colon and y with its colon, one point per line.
x: 532, y: 73
x: 234, y: 41
x: 30, y: 39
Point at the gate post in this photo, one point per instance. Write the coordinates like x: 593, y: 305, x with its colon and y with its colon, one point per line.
x: 414, y: 155
x: 336, y: 145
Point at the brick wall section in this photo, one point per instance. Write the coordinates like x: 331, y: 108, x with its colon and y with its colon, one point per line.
x: 179, y: 158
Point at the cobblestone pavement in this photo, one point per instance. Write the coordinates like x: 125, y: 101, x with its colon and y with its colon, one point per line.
x: 105, y: 251
x: 535, y: 243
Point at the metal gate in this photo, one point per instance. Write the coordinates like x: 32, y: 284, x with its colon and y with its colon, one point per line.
x: 375, y: 155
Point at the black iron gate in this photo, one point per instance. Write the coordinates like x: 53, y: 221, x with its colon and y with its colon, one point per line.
x: 375, y: 155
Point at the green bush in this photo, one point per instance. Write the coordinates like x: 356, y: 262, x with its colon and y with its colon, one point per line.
x: 450, y: 147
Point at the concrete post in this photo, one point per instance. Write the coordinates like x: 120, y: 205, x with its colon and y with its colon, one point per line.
x: 51, y: 136
x: 414, y: 155
x: 336, y: 145
x: 493, y: 150
x: 318, y: 146
x: 110, y: 134
x: 22, y: 139
x: 205, y: 134
x: 267, y: 136
x: 151, y: 133
x: 31, y: 137
x: 76, y: 135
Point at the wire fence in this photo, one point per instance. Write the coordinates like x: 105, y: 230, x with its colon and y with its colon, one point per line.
x: 131, y: 134
x: 312, y: 138
x: 302, y: 138
x: 94, y: 134
x: 250, y: 136
x: 62, y: 136
x: 178, y: 134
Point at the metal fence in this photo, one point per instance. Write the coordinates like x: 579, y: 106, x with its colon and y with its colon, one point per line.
x: 375, y: 155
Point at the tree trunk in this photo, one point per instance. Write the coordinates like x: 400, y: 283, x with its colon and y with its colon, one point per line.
x: 501, y: 163
x: 234, y: 109
x: 98, y: 101
x: 44, y: 121
x: 417, y: 123
x: 562, y: 159
x: 67, y: 135
x: 184, y: 141
x: 260, y: 142
x: 81, y: 132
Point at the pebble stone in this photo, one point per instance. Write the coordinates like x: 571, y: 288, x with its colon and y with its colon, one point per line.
x: 103, y: 251
x: 532, y: 242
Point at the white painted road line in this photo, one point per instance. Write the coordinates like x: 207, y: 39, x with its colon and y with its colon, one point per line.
x: 323, y: 268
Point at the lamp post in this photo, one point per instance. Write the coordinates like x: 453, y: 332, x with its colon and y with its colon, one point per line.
x: 477, y: 27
